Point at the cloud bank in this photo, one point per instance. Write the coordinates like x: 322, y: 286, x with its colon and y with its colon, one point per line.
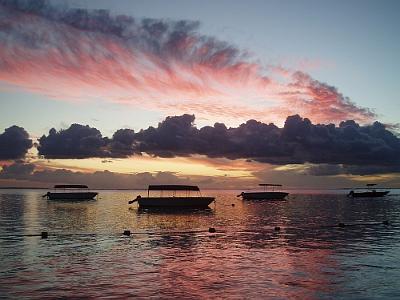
x: 357, y: 148
x: 325, y: 149
x: 20, y: 172
x: 77, y: 141
x: 78, y: 55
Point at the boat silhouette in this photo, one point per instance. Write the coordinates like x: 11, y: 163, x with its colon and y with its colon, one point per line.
x: 370, y: 193
x: 264, y: 195
x: 179, y: 196
x: 70, y: 192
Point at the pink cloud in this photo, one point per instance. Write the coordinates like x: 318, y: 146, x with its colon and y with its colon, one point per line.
x: 80, y: 55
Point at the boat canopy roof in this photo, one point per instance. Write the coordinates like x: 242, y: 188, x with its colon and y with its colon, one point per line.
x: 71, y: 186
x: 173, y: 187
x: 269, y: 184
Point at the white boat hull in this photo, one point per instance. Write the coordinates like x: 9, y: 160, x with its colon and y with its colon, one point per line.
x: 175, y: 202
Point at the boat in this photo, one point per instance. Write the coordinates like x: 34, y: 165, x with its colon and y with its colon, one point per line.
x: 370, y: 193
x: 173, y: 196
x: 70, y: 192
x: 264, y: 195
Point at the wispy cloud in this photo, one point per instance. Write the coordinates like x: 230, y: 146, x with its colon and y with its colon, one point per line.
x: 79, y: 55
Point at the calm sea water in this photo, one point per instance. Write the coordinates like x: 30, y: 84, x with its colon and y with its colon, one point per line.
x: 174, y: 256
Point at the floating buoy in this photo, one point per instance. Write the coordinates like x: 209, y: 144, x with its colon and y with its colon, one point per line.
x: 233, y: 204
x: 44, y: 234
x: 127, y: 232
x: 211, y: 230
x: 277, y: 228
x: 386, y: 222
x: 341, y: 225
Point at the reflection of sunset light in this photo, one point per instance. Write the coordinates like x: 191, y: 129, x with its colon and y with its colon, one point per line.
x: 248, y: 253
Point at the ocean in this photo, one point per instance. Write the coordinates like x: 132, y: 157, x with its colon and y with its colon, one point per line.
x: 291, y: 249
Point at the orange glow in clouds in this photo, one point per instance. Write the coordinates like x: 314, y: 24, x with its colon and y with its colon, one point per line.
x: 184, y: 166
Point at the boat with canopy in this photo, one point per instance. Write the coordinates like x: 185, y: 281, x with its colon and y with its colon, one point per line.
x: 370, y: 192
x: 175, y: 196
x: 264, y: 195
x: 70, y: 192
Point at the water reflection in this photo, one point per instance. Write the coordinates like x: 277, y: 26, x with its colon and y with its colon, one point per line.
x: 173, y: 220
x: 175, y: 211
x: 74, y: 216
x: 176, y: 241
x: 174, y: 256
x: 12, y: 216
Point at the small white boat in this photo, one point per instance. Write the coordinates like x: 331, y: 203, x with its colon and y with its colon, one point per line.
x: 264, y: 195
x: 70, y: 192
x: 173, y: 196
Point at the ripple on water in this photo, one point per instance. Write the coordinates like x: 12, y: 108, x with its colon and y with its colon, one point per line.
x: 86, y: 255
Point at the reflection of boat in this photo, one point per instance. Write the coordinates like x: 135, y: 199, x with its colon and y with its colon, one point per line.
x: 177, y: 196
x: 176, y: 211
x: 70, y: 192
x: 369, y: 193
x: 264, y: 195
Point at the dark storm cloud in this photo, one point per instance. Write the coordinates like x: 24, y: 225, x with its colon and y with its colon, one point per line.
x: 349, y: 143
x: 122, y: 143
x: 298, y: 142
x: 174, y: 136
x: 83, y: 141
x: 14, y: 143
x: 77, y: 141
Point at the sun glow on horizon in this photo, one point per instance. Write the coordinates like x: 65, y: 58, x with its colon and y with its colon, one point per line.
x: 184, y: 166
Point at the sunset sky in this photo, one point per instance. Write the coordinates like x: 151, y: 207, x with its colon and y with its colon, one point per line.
x: 223, y: 94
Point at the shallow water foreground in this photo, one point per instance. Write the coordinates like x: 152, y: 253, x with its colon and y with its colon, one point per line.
x: 172, y: 254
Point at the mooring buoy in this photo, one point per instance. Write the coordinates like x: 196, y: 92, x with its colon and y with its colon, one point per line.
x: 211, y: 230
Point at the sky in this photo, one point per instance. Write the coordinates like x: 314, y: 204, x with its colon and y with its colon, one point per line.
x: 223, y: 94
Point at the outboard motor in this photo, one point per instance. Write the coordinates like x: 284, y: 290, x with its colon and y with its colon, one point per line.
x: 134, y: 200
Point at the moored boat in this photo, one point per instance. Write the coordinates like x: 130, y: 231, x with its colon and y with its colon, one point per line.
x: 264, y: 195
x: 369, y: 193
x: 70, y: 192
x: 178, y: 196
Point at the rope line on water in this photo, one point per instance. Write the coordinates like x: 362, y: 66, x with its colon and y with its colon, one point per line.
x: 127, y: 233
